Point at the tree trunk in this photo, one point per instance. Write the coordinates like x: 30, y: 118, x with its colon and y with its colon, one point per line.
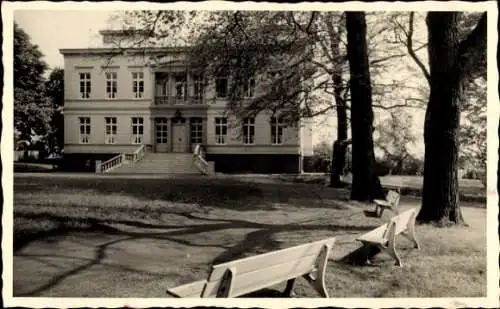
x: 442, y: 120
x: 339, y: 89
x: 365, y: 183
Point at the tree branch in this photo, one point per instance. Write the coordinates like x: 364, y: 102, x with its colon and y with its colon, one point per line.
x: 411, y: 51
x: 406, y: 105
x: 472, y: 49
x: 376, y: 61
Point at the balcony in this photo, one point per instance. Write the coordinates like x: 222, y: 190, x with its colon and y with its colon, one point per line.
x: 175, y: 101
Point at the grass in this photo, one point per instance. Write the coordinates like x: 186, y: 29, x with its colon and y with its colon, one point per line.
x: 106, y: 237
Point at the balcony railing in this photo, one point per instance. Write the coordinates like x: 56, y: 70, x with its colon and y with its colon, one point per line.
x: 173, y: 100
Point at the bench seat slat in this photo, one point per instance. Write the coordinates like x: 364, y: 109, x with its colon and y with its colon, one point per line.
x: 383, y: 203
x: 376, y: 235
x: 193, y: 289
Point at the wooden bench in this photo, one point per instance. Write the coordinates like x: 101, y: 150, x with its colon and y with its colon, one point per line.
x: 391, y: 202
x: 247, y: 275
x: 384, y: 236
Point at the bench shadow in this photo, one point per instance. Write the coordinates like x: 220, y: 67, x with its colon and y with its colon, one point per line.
x: 361, y: 256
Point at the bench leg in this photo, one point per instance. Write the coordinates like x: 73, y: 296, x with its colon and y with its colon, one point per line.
x: 391, y: 246
x: 318, y: 282
x: 391, y: 250
x: 226, y: 285
x: 289, y: 288
x: 411, y: 231
x: 411, y: 237
x: 381, y: 212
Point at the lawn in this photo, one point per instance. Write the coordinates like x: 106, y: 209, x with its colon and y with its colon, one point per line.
x: 104, y: 237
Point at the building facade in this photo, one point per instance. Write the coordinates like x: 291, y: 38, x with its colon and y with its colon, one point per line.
x: 115, y: 103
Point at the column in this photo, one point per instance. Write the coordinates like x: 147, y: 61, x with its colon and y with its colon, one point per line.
x: 170, y: 145
x: 153, y: 87
x: 171, y: 88
x: 188, y: 134
x: 205, y: 130
x: 152, y: 133
x: 189, y: 90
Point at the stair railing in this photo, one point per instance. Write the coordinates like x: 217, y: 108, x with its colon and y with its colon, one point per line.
x: 120, y: 159
x: 137, y: 155
x: 110, y: 164
x: 199, y: 160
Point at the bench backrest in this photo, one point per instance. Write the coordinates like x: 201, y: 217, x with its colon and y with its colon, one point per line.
x: 404, y: 220
x: 264, y: 270
x: 392, y: 197
x: 395, y: 226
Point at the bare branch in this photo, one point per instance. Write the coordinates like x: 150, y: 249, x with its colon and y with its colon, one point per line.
x: 404, y: 105
x: 323, y: 66
x: 411, y: 51
x: 313, y: 17
x: 376, y: 61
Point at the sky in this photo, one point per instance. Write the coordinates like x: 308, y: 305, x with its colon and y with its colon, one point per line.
x: 53, y: 30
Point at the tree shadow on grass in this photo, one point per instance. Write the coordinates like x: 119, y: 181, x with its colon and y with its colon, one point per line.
x: 255, y: 242
x: 220, y: 193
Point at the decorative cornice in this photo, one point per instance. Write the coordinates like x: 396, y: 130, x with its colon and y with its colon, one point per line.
x: 116, y: 50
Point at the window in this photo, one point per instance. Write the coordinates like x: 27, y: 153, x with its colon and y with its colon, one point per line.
x: 220, y: 130
x: 249, y: 88
x: 248, y: 130
x: 180, y: 86
x: 137, y: 130
x: 110, y: 127
x: 84, y: 130
x: 198, y: 87
x: 111, y: 85
x: 161, y: 130
x: 138, y: 84
x: 276, y: 131
x: 196, y: 131
x: 85, y: 85
x: 221, y: 87
x: 161, y: 85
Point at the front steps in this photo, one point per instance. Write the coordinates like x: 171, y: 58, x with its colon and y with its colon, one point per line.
x: 160, y: 163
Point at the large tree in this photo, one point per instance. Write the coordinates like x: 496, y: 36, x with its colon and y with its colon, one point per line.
x: 54, y: 90
x: 32, y: 111
x: 452, y: 61
x: 365, y: 184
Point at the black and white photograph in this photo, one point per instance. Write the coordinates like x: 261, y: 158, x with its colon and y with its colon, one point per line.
x: 164, y: 154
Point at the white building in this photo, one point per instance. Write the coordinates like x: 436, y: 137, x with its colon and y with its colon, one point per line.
x: 115, y: 104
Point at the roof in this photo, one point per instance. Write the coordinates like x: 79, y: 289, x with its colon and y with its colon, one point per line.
x: 111, y: 50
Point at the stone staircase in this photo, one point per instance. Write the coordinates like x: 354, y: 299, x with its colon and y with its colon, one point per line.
x: 160, y: 163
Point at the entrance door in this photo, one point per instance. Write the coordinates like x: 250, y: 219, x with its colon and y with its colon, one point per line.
x: 179, y: 137
x: 161, y: 129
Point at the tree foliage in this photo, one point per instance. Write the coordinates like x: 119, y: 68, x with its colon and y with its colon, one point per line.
x: 32, y: 110
x: 395, y: 136
x: 54, y: 91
